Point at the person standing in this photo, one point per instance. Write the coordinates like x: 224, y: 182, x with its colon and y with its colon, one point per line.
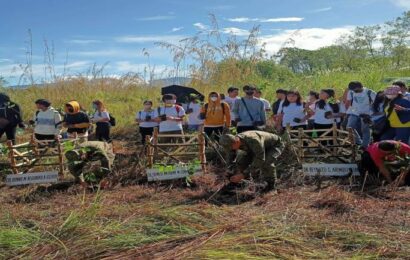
x: 249, y: 111
x: 403, y: 88
x: 46, y: 121
x: 258, y: 95
x: 146, y: 120
x: 280, y: 98
x: 231, y: 99
x: 170, y: 117
x: 193, y: 109
x: 310, y: 107
x: 398, y: 115
x: 76, y: 121
x: 216, y: 115
x: 101, y: 119
x: 10, y: 118
x: 360, y: 100
x: 292, y: 111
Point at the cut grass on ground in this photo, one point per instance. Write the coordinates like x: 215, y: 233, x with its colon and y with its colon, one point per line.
x: 145, y: 222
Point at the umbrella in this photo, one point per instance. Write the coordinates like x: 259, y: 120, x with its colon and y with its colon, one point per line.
x: 183, y: 93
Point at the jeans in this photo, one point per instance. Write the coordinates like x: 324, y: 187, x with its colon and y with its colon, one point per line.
x: 357, y: 124
x: 401, y: 134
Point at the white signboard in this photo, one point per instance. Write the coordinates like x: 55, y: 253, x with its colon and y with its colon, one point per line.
x: 312, y: 169
x: 168, y: 173
x: 31, y: 178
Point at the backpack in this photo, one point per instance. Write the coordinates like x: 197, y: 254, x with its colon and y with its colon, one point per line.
x: 113, y: 121
x: 369, y: 95
x: 177, y: 108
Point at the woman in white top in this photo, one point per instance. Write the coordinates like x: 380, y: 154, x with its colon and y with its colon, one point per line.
x: 327, y: 110
x: 101, y: 119
x: 193, y: 110
x: 146, y: 120
x: 292, y: 111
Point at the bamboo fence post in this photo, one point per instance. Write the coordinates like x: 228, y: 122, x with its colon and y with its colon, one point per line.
x: 300, y: 143
x: 334, y: 136
x: 149, y: 151
x: 202, y: 155
x: 352, y: 143
x: 11, y: 156
x: 60, y: 158
x: 155, y: 141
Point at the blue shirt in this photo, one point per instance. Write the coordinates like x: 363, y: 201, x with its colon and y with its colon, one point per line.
x: 255, y: 111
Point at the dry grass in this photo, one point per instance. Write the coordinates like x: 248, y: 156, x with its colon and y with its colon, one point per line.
x: 150, y: 222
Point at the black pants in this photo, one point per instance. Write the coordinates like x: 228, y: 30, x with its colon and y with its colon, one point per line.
x: 145, y: 131
x: 44, y: 137
x: 102, y: 132
x: 215, y: 131
x: 241, y: 129
x: 10, y: 133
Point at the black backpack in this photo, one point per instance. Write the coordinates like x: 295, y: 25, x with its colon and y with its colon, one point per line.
x: 113, y: 121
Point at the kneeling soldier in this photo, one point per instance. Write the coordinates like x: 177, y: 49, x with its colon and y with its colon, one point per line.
x: 91, y: 162
x: 256, y: 151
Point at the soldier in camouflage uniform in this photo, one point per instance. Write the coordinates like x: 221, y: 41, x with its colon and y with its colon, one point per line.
x: 256, y: 151
x: 91, y: 161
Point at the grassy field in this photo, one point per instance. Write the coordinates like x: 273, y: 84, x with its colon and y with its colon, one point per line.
x: 152, y: 222
x: 171, y: 222
x: 124, y: 98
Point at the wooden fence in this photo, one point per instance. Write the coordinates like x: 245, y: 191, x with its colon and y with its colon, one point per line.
x: 321, y: 144
x: 178, y: 148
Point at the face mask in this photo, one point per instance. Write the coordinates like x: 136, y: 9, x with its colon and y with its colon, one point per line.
x: 70, y: 110
x: 94, y: 106
x: 214, y: 99
x: 249, y: 93
x: 391, y: 96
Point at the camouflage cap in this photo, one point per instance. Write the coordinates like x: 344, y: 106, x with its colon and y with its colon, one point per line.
x: 227, y: 140
x: 73, y: 155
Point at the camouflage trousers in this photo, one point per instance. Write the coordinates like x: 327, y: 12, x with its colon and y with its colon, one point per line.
x: 268, y: 169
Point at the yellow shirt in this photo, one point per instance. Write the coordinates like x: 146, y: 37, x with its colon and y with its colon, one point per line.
x: 395, y: 121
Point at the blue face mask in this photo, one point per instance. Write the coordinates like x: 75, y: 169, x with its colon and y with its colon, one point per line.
x: 94, y: 106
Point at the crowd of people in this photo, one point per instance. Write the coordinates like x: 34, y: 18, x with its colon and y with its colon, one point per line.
x: 374, y: 117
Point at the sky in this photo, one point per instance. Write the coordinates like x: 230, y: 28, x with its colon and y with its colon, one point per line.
x: 114, y: 33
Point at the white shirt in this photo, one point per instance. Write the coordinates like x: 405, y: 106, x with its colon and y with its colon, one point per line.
x: 101, y: 115
x: 342, y: 110
x: 231, y: 102
x: 291, y: 112
x: 170, y: 125
x: 319, y: 116
x: 193, y: 118
x: 142, y: 115
x: 360, y: 102
x: 47, y: 122
x: 407, y: 96
x: 266, y: 103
